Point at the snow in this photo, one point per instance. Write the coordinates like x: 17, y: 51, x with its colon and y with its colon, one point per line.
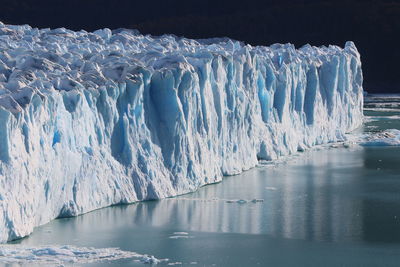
x: 92, y: 119
x: 52, y: 255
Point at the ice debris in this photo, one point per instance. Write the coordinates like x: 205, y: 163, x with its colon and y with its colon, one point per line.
x: 390, y: 137
x: 57, y: 255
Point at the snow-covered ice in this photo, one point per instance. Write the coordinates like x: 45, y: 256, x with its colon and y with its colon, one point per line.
x: 91, y: 119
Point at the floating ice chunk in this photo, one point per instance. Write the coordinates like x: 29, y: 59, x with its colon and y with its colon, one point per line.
x: 180, y: 233
x: 149, y: 260
x: 271, y: 188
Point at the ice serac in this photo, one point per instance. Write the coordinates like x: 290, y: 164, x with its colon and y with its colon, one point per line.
x: 91, y: 119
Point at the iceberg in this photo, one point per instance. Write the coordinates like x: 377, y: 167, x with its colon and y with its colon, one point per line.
x: 93, y: 119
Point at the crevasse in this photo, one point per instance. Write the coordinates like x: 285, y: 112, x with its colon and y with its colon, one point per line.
x: 88, y: 120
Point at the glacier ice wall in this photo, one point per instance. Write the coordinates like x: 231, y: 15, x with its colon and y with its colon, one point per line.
x: 91, y: 119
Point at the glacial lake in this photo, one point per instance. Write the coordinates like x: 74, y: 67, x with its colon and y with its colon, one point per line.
x: 329, y: 206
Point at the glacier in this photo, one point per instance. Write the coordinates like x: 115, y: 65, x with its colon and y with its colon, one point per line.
x: 93, y: 119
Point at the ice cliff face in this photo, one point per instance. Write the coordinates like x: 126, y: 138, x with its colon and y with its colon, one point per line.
x: 88, y: 120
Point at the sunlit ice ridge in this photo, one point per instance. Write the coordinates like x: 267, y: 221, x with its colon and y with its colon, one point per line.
x: 92, y: 119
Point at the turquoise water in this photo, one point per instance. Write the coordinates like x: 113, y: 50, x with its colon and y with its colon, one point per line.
x: 325, y: 207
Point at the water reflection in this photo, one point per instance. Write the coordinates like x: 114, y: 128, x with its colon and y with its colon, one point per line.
x: 381, y: 199
x: 316, y: 197
x: 332, y: 196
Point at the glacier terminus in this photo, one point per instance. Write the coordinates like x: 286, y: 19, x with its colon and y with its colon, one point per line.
x: 93, y: 119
